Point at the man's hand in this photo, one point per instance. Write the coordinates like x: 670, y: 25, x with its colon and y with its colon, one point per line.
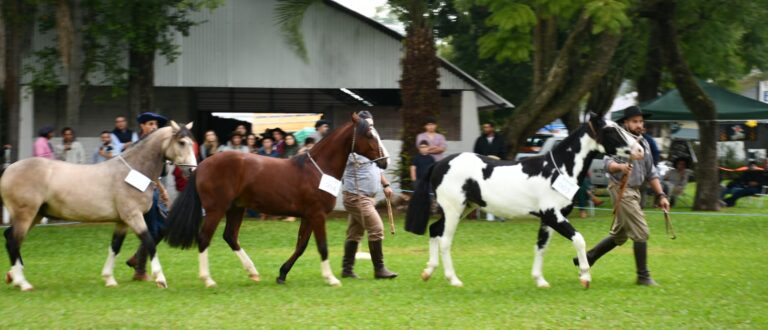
x: 664, y: 203
x: 388, y: 192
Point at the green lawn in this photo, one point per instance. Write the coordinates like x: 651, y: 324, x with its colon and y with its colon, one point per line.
x: 713, y: 276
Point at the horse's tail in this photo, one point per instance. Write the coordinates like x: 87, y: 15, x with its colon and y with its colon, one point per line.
x: 185, y: 217
x: 417, y: 217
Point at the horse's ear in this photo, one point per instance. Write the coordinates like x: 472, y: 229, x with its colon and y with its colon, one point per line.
x: 190, y: 124
x: 175, y: 126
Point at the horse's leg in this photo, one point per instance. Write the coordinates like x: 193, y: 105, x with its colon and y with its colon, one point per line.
x: 136, y: 222
x: 560, y: 224
x: 212, y: 218
x: 234, y: 220
x: 435, y: 232
x: 301, y: 245
x: 318, y: 228
x: 14, y: 236
x: 452, y: 216
x: 545, y: 234
x: 114, y: 249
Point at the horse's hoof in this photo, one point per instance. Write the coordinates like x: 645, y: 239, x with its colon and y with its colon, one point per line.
x: 26, y: 287
x: 141, y: 277
x: 8, y: 278
x: 255, y: 277
x: 334, y: 283
x: 457, y: 284
x: 209, y: 283
x: 544, y: 285
x: 425, y: 276
x: 280, y: 280
x: 584, y: 283
x: 111, y: 283
x: 161, y: 284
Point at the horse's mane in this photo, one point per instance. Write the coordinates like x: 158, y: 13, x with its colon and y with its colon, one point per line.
x: 361, y: 129
x: 152, y: 136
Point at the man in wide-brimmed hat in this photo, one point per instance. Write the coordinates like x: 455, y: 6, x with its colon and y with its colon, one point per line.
x: 630, y: 220
x: 322, y: 127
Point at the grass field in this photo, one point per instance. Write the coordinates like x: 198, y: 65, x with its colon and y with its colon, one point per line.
x: 713, y: 276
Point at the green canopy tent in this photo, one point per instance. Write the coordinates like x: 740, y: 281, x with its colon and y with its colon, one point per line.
x: 730, y: 106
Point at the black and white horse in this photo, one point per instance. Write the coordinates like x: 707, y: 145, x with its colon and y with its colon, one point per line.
x: 466, y: 181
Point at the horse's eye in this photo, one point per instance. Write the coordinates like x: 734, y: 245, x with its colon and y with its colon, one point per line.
x: 182, y: 143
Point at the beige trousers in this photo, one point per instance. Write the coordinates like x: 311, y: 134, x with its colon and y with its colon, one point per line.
x: 362, y: 217
x: 630, y: 224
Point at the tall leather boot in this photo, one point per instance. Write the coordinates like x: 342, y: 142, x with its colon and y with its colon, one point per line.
x: 348, y: 263
x: 606, y: 245
x: 377, y: 257
x: 641, y: 262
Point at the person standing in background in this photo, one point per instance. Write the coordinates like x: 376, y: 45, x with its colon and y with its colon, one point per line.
x: 42, y: 146
x: 436, y: 140
x: 70, y: 150
x: 122, y: 137
x: 322, y: 127
x: 491, y: 144
x: 104, y: 151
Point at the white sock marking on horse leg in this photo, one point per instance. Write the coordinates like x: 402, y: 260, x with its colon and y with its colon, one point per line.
x: 580, y: 245
x: 157, y: 272
x: 248, y: 264
x: 325, y: 270
x: 205, y: 273
x: 450, y: 273
x: 17, y: 273
x: 538, y: 263
x: 434, y: 258
x: 109, y: 266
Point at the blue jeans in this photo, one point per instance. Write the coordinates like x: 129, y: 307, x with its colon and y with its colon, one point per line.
x: 739, y: 192
x: 155, y: 218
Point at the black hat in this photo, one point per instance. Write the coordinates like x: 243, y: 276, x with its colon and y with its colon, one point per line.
x: 631, y: 112
x: 430, y: 120
x: 322, y: 122
x: 45, y: 130
x: 147, y: 116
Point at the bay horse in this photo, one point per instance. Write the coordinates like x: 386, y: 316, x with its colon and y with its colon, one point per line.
x: 227, y: 183
x: 466, y: 181
x: 34, y: 188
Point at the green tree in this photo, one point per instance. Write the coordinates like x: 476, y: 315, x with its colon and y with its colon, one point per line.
x: 419, y: 79
x: 572, y: 44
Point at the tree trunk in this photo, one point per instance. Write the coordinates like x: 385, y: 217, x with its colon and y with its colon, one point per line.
x: 418, y: 87
x: 650, y: 80
x: 702, y: 107
x: 75, y: 66
x: 18, y: 26
x: 141, y: 82
x: 567, y: 82
x: 601, y: 97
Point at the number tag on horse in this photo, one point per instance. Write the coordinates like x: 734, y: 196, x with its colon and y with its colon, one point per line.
x: 330, y: 185
x: 138, y: 180
x: 565, y: 186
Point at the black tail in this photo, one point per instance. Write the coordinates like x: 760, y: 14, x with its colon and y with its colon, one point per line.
x: 185, y: 217
x: 417, y: 217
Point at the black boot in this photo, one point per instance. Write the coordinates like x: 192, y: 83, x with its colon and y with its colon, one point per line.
x: 348, y: 263
x: 377, y: 257
x: 606, y: 245
x: 641, y: 262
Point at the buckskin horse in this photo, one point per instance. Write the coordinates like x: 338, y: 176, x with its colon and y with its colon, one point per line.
x: 464, y: 182
x: 37, y: 187
x: 227, y: 183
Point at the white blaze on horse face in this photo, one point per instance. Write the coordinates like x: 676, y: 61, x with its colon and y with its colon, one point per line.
x: 382, y: 148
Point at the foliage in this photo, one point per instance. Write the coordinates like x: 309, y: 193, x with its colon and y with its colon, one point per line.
x: 111, y: 28
x: 707, y: 281
x: 289, y: 15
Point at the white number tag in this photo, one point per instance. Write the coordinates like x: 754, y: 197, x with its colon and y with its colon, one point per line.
x: 565, y: 186
x: 330, y: 185
x: 137, y: 180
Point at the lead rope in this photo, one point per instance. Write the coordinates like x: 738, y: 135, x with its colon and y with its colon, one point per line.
x: 354, y: 168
